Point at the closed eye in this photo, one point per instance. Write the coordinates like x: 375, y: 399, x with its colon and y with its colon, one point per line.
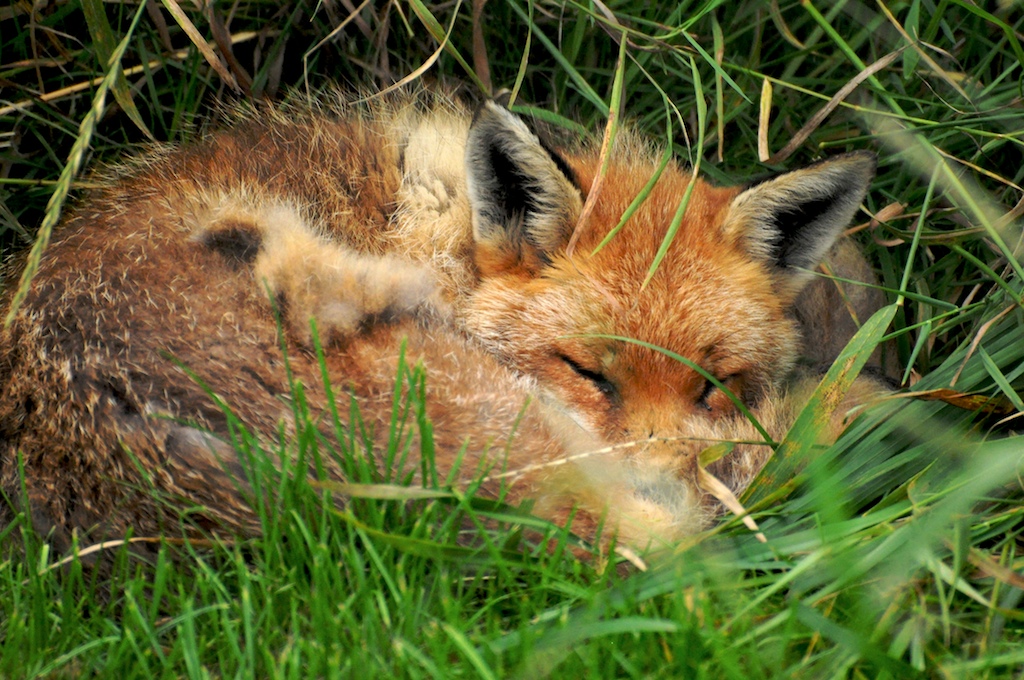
x: 705, y: 394
x: 602, y: 383
x: 712, y: 398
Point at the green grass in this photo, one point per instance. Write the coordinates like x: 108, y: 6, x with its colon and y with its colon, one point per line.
x: 894, y: 553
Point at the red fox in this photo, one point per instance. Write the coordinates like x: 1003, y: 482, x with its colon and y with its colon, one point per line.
x: 412, y: 221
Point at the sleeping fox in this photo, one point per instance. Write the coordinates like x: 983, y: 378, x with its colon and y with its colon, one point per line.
x: 412, y: 222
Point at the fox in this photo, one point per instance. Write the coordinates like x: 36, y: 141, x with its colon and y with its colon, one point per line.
x: 413, y: 228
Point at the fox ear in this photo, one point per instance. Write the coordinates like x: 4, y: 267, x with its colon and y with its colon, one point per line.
x: 524, y: 201
x: 792, y: 220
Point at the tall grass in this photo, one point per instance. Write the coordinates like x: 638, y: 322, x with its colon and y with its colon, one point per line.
x: 893, y: 553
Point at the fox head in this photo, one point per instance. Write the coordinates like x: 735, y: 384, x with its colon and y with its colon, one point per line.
x: 586, y: 326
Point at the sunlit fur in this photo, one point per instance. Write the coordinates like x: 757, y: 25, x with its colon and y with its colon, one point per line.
x: 352, y: 215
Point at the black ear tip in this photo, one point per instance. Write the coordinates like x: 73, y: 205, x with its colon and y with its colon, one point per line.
x: 489, y: 112
x: 867, y: 157
x: 864, y: 161
x: 502, y: 97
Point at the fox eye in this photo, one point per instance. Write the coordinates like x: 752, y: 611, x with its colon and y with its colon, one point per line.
x: 713, y: 399
x: 602, y: 383
x: 705, y: 395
